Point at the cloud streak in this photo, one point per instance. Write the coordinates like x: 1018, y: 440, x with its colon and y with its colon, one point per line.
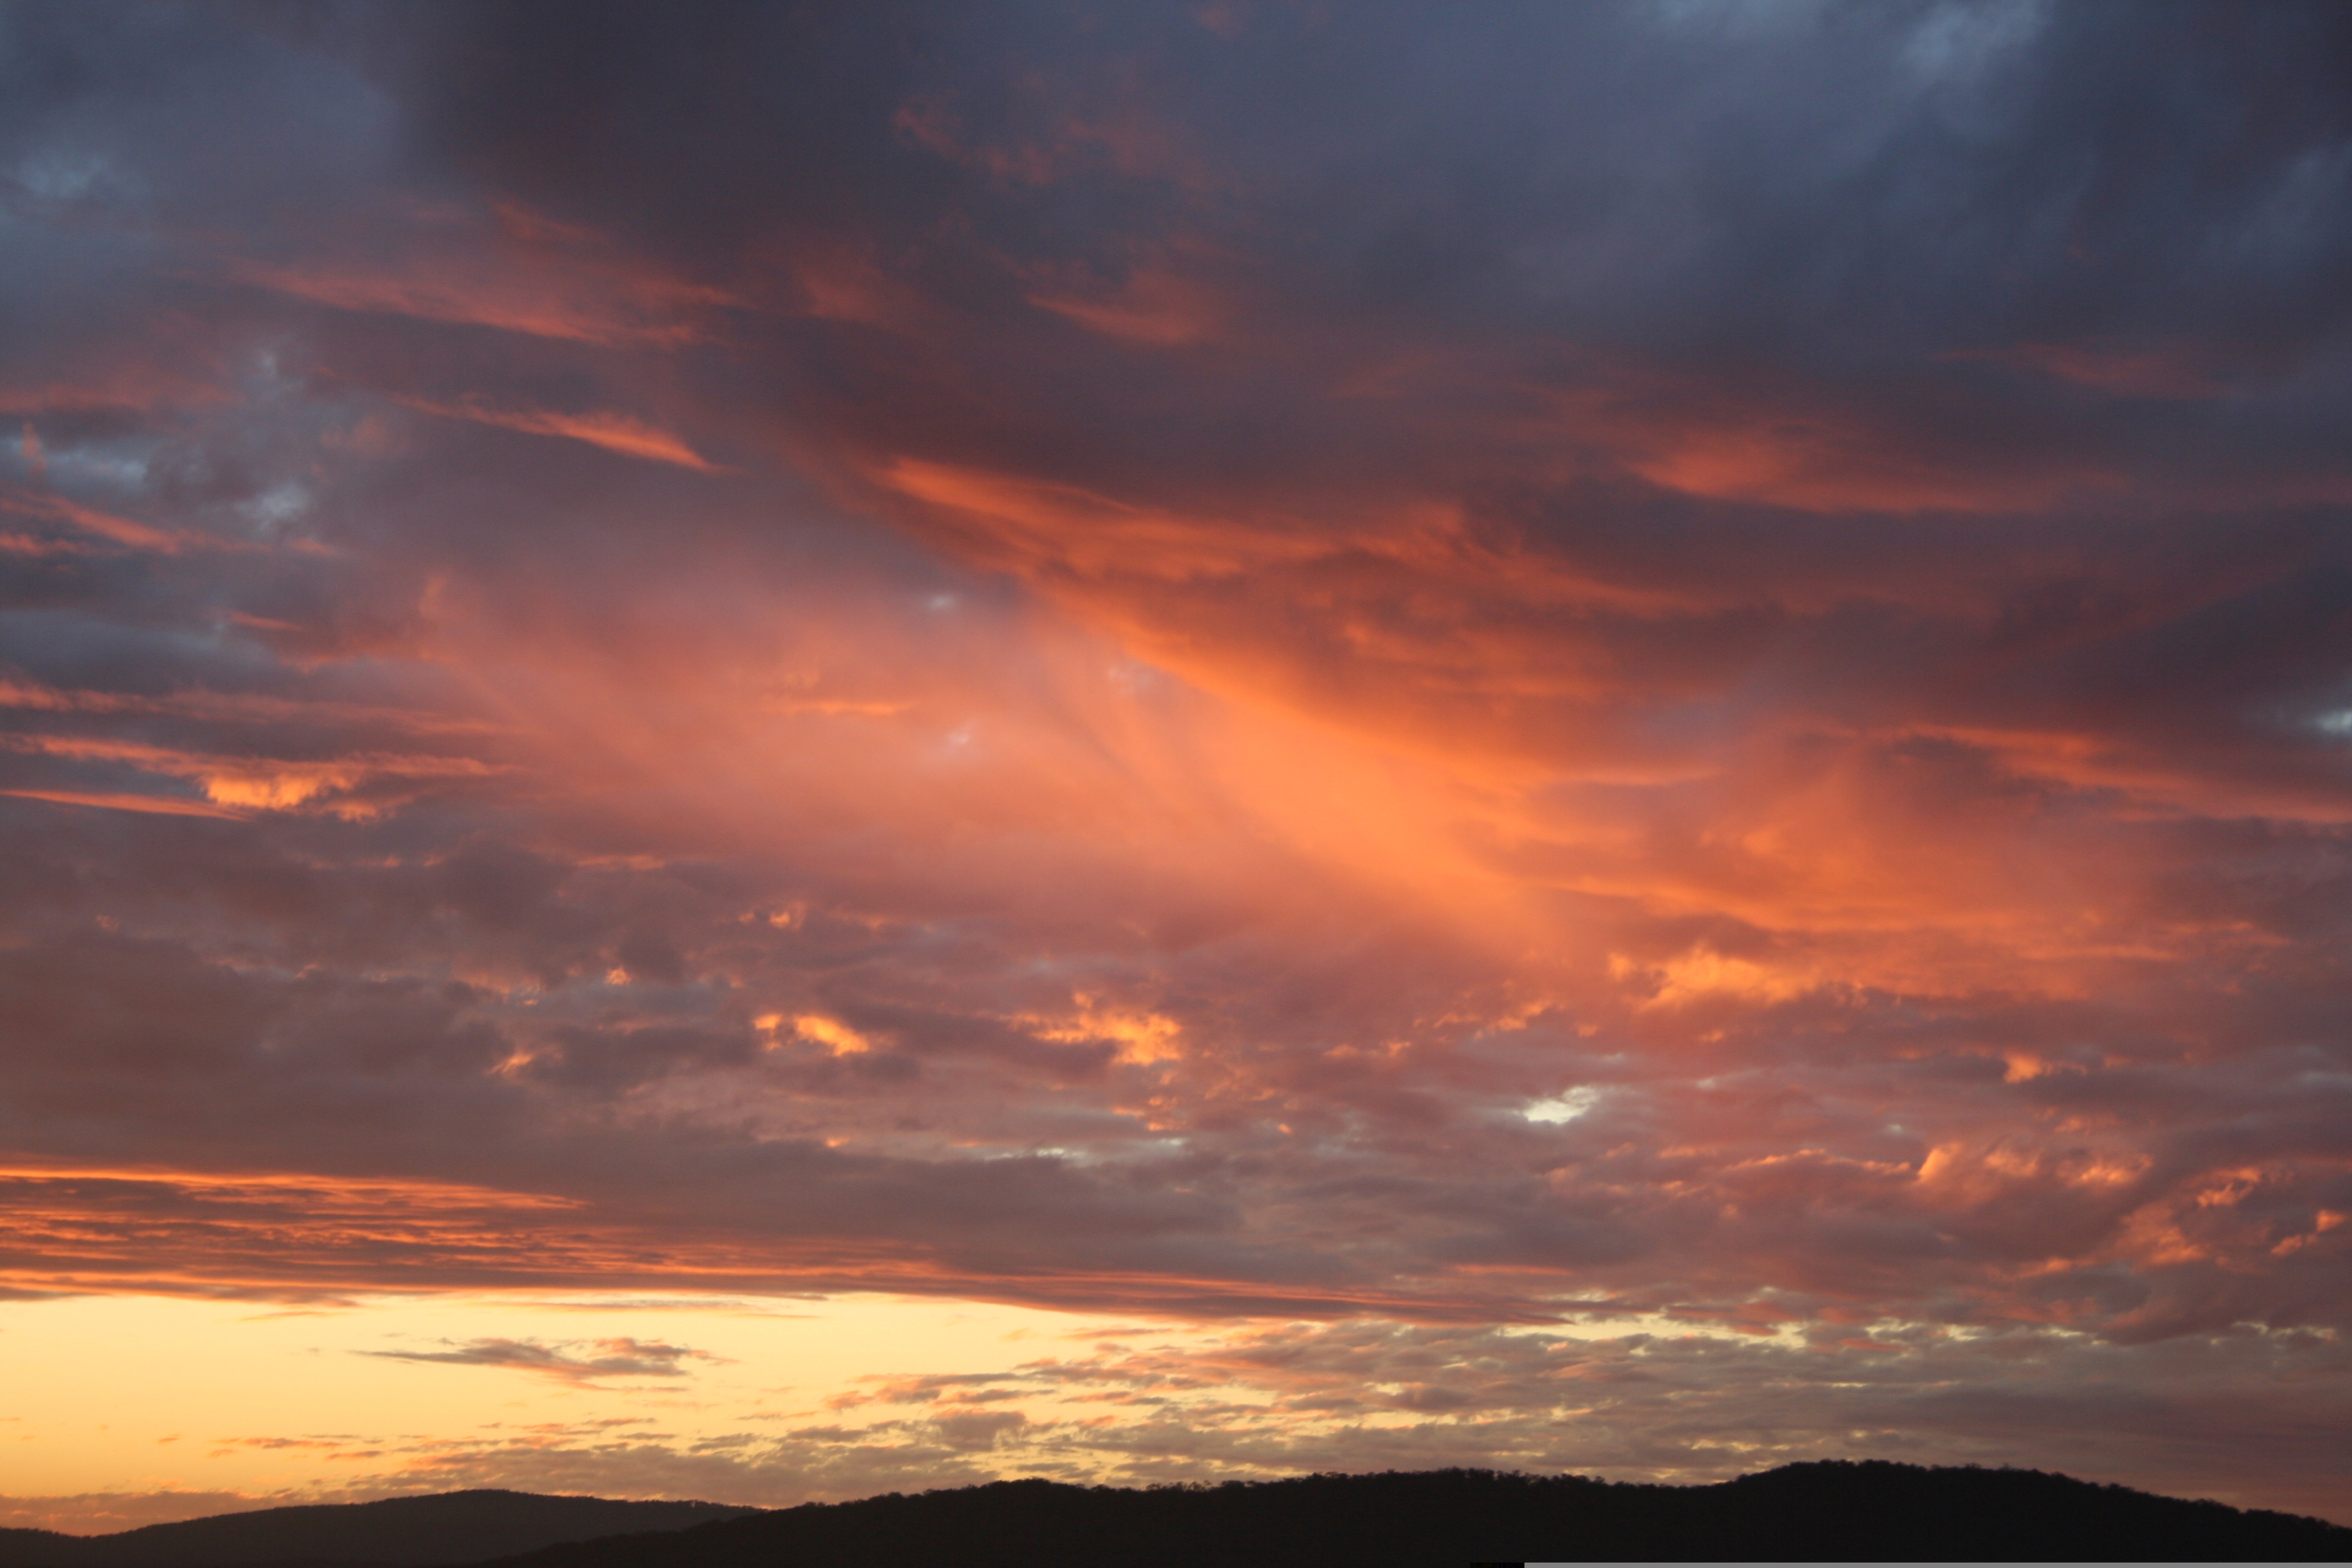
x: 630, y: 437
x: 573, y: 1362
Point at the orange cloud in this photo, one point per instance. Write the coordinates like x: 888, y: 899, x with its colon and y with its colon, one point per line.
x: 1160, y: 308
x: 123, y: 530
x: 162, y: 805
x: 622, y: 433
x: 549, y: 281
x: 259, y: 783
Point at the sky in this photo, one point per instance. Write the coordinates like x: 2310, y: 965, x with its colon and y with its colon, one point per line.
x: 767, y: 752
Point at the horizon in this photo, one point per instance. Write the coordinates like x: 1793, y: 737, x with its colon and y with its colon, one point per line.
x: 781, y: 749
x: 737, y: 1510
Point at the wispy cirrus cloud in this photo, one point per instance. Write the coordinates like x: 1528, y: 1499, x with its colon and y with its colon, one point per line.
x: 622, y: 433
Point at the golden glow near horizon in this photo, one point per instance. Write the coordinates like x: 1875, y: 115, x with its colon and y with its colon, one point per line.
x: 110, y: 1422
x: 297, y: 1402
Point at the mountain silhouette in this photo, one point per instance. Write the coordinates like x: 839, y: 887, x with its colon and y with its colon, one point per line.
x: 1831, y: 1510
x: 398, y: 1533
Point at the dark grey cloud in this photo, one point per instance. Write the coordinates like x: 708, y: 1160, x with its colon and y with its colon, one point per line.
x: 573, y: 1361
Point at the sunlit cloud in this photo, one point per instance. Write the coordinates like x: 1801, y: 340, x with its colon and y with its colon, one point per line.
x: 622, y: 433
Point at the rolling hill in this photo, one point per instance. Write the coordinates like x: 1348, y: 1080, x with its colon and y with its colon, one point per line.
x: 1822, y: 1511
x: 1830, y: 1511
x: 397, y: 1533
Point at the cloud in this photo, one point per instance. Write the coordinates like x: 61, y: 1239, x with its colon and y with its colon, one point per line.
x: 165, y: 806
x: 593, y: 1360
x: 258, y: 783
x: 583, y: 306
x: 1677, y: 666
x: 630, y: 437
x: 2240, y: 1417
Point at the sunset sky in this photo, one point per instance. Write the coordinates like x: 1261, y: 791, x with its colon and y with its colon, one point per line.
x: 766, y: 752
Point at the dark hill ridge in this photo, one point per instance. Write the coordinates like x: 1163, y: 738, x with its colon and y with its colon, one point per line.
x: 398, y: 1533
x: 1833, y: 1510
